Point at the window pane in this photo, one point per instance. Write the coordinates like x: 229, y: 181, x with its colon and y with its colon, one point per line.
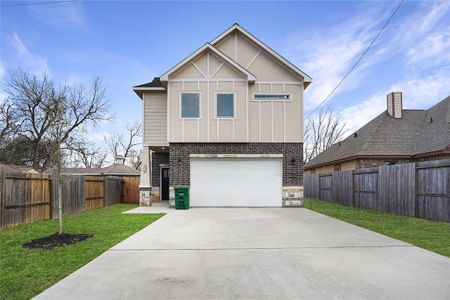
x: 225, y: 105
x: 271, y: 96
x: 190, y: 105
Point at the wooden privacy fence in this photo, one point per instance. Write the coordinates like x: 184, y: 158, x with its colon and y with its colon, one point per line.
x: 94, y: 196
x: 26, y: 198
x: 420, y: 189
x: 130, y: 189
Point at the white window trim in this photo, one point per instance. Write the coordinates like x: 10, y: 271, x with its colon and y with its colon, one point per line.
x: 234, y: 117
x: 275, y: 100
x: 199, y: 105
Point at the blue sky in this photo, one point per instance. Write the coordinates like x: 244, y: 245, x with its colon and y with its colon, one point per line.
x: 130, y: 42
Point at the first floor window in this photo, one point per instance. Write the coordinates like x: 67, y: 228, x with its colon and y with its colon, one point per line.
x: 225, y: 105
x: 190, y: 105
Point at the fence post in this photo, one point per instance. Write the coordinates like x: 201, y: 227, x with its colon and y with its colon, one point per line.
x: 2, y: 180
x: 353, y: 188
x: 318, y: 184
x: 416, y: 189
x: 50, y: 196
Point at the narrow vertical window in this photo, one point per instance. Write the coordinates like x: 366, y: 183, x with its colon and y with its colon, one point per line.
x: 225, y: 105
x: 190, y: 105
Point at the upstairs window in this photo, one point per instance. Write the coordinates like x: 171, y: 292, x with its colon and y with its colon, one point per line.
x: 225, y: 105
x: 272, y: 96
x: 190, y: 105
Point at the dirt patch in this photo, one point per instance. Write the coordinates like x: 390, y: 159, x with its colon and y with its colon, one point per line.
x: 56, y: 240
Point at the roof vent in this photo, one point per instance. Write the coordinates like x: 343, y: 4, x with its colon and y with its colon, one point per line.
x: 355, y: 135
x: 394, y: 103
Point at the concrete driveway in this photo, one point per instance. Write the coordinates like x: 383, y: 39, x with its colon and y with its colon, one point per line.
x: 257, y: 254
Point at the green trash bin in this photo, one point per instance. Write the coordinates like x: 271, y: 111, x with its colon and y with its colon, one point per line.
x: 181, y: 197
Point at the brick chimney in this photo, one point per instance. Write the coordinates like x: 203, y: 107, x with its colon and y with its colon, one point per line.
x: 395, y: 104
x: 119, y: 160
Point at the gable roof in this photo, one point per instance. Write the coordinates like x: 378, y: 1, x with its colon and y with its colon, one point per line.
x: 115, y: 169
x: 306, y: 78
x: 208, y: 46
x: 417, y: 133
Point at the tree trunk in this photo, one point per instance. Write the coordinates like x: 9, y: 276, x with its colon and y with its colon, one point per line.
x: 58, y: 178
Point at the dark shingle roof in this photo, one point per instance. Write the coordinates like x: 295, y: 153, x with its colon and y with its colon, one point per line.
x: 154, y: 83
x: 417, y: 132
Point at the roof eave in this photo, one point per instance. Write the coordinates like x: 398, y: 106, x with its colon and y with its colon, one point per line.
x: 140, y: 90
x: 341, y: 160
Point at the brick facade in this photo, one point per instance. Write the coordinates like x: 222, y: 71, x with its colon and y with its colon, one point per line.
x: 158, y: 159
x: 292, y: 158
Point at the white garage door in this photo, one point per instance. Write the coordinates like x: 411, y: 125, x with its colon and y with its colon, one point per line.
x: 236, y: 182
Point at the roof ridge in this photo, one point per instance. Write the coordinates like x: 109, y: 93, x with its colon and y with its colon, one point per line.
x: 267, y: 48
x: 250, y: 76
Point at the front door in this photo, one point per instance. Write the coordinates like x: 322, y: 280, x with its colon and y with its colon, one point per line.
x: 164, y: 183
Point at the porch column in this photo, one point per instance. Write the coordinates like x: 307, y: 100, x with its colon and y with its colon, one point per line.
x: 145, y: 185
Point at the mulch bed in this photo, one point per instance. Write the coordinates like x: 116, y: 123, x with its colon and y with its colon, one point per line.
x: 56, y: 240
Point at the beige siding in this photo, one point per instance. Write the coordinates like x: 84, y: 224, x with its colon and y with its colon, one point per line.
x: 155, y: 118
x: 264, y: 67
x: 255, y: 121
x: 208, y: 128
x: 283, y: 118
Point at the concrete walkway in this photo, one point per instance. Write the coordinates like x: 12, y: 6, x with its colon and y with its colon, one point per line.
x: 285, y: 253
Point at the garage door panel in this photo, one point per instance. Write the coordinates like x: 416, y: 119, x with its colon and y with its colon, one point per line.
x: 236, y: 182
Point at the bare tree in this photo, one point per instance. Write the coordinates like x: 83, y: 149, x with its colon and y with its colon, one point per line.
x: 322, y: 132
x: 135, y: 158
x: 40, y: 105
x: 52, y: 119
x: 121, y: 143
x: 8, y: 125
x: 87, y: 155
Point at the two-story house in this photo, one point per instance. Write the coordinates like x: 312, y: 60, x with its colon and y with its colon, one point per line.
x: 226, y: 121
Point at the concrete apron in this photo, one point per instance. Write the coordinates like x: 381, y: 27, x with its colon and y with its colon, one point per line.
x: 257, y: 253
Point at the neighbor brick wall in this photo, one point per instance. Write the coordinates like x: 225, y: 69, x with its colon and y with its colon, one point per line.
x: 158, y: 159
x: 292, y: 158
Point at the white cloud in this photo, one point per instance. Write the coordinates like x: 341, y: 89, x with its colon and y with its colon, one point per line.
x: 332, y: 54
x: 419, y: 37
x: 2, y: 76
x: 60, y: 15
x: 28, y: 60
x: 435, y: 48
x: 417, y: 94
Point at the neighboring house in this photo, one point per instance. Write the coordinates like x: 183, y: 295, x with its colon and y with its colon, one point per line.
x: 116, y: 169
x: 397, y: 135
x: 226, y: 121
x: 16, y: 168
x: 130, y: 177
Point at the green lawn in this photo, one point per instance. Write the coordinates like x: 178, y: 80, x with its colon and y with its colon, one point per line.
x: 25, y: 273
x: 430, y: 235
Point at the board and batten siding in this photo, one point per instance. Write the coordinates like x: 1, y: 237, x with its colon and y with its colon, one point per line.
x: 155, y: 118
x: 255, y: 121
